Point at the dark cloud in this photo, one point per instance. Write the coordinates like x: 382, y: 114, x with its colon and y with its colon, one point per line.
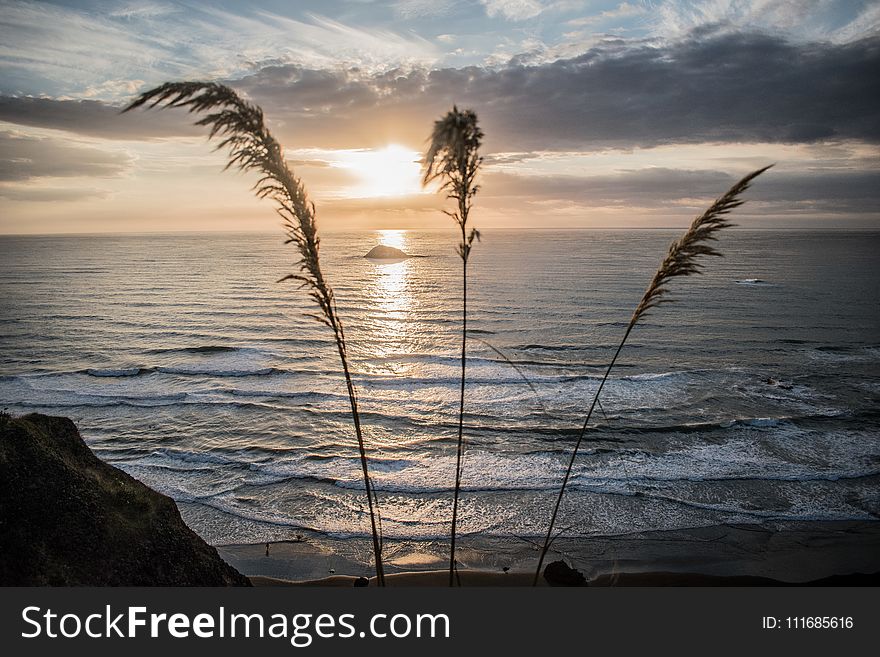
x: 707, y: 88
x: 777, y: 191
x: 654, y: 186
x: 95, y: 118
x: 25, y: 157
x: 717, y: 88
x: 833, y: 192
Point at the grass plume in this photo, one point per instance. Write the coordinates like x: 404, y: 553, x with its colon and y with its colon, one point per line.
x: 453, y: 158
x: 241, y: 129
x: 682, y: 259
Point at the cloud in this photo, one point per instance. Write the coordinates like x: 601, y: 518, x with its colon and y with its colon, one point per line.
x: 623, y: 10
x: 514, y: 10
x: 95, y: 118
x: 417, y: 9
x: 806, y: 20
x: 114, y: 89
x: 719, y: 88
x: 782, y: 192
x: 50, y: 194
x: 144, y: 10
x: 26, y: 157
x: 48, y: 47
x: 866, y: 22
x: 68, y: 50
x: 654, y: 186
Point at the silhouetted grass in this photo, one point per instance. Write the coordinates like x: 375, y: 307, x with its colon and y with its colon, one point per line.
x: 680, y: 260
x: 251, y: 146
x: 453, y: 158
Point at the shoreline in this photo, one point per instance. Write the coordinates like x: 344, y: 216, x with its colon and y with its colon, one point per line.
x: 841, y: 553
x: 479, y: 578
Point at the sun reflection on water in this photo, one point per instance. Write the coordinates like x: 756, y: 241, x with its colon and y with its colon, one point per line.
x: 390, y: 290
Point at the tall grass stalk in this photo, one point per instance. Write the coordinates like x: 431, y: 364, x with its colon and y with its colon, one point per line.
x: 453, y: 158
x: 681, y: 260
x: 241, y: 129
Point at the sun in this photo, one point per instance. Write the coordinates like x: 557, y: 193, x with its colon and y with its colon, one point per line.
x: 390, y: 171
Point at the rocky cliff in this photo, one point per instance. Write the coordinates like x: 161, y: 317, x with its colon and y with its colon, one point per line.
x: 69, y: 519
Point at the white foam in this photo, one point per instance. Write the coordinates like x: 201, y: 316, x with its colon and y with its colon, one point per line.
x: 120, y: 372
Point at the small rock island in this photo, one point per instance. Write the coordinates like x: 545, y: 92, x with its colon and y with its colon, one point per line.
x: 382, y: 252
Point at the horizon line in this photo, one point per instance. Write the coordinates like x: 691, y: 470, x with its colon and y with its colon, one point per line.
x: 736, y: 228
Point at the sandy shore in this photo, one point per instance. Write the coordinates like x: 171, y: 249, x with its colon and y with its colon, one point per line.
x: 727, y: 555
x: 417, y: 578
x: 471, y: 578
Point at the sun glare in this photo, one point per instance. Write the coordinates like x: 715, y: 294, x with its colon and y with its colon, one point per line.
x: 395, y: 238
x: 390, y: 171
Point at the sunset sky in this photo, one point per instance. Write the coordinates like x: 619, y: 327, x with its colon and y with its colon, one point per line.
x: 596, y: 113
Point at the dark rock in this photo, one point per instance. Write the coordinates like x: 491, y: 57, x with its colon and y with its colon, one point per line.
x: 383, y: 252
x: 69, y: 519
x: 560, y: 573
x: 361, y: 581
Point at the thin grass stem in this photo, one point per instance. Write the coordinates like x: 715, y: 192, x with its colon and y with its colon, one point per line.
x: 242, y: 130
x: 681, y: 260
x: 453, y: 157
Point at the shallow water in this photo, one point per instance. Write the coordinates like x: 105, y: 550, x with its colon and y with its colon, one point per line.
x: 752, y: 398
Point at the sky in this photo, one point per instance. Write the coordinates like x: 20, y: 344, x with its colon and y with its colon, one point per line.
x: 596, y: 114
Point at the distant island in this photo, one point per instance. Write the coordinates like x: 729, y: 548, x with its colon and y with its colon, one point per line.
x: 382, y: 252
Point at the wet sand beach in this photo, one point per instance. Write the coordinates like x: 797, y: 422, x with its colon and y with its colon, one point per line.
x: 840, y: 553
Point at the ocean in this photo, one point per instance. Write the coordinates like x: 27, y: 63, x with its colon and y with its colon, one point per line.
x: 752, y: 399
